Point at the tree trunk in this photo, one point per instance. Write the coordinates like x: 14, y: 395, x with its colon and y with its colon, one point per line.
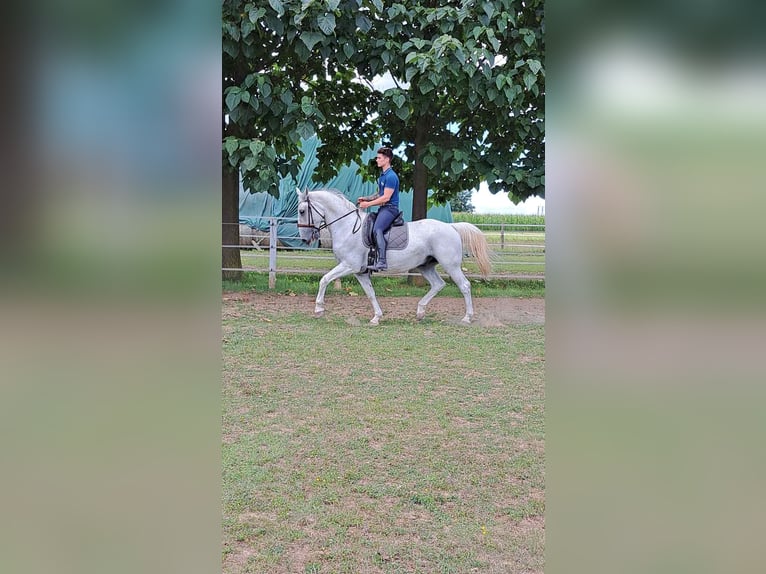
x: 419, y: 184
x: 230, y: 228
x: 420, y: 173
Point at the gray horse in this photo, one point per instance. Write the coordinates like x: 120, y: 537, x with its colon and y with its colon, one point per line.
x: 430, y: 242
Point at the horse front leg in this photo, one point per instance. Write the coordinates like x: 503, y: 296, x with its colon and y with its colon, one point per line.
x: 340, y: 270
x: 366, y: 283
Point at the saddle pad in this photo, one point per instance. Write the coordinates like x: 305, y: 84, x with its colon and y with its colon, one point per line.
x: 398, y: 237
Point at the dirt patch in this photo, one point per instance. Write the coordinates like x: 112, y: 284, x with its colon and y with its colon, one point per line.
x: 489, y: 311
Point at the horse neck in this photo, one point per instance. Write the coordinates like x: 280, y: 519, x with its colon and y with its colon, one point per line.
x: 332, y: 205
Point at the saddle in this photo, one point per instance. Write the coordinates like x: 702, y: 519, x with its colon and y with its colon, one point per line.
x: 397, y: 235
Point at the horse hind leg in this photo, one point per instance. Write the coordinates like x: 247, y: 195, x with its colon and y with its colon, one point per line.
x: 437, y: 283
x: 465, y: 288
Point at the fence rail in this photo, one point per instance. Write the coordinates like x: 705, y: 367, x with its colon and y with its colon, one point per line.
x: 518, y: 252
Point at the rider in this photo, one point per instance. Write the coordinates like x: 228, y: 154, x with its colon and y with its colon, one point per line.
x: 387, y: 199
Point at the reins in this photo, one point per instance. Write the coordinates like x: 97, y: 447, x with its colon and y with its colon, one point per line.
x: 321, y: 226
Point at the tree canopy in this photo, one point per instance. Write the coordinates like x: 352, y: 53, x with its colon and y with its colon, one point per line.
x: 465, y: 104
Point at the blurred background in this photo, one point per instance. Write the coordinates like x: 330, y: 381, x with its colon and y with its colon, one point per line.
x: 655, y: 283
x: 109, y: 287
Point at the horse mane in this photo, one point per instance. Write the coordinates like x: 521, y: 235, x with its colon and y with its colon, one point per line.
x: 335, y: 192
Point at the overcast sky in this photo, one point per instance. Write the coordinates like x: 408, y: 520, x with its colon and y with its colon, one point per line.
x: 485, y: 202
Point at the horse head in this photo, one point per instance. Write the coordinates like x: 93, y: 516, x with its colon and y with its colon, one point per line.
x: 309, y: 218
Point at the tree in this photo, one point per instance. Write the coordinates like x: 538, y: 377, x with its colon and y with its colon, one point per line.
x: 288, y: 73
x: 468, y: 105
x: 462, y: 202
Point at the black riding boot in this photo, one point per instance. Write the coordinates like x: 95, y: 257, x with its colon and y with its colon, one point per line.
x: 380, y: 240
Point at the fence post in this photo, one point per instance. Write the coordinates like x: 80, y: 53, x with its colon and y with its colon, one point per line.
x: 502, y: 236
x: 272, y: 253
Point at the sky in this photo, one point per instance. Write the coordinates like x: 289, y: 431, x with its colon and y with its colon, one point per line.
x: 485, y: 202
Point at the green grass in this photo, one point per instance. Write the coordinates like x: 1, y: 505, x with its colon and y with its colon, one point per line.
x: 392, y: 286
x: 338, y: 459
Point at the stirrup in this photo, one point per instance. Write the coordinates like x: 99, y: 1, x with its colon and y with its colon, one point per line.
x: 379, y: 266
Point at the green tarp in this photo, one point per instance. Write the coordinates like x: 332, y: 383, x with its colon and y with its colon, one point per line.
x: 256, y: 208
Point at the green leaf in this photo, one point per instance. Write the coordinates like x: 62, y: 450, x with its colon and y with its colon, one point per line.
x: 534, y: 66
x: 332, y: 5
x: 231, y: 48
x: 363, y: 23
x: 410, y: 57
x: 310, y: 39
x: 399, y: 99
x: 244, y: 96
x: 266, y: 89
x: 277, y: 6
x: 305, y: 129
x: 348, y: 49
x: 327, y: 23
x: 425, y: 86
x: 249, y: 163
x: 529, y: 80
x: 430, y: 161
x: 378, y: 4
x: 247, y: 28
x: 403, y: 113
x: 457, y: 166
x: 529, y: 37
x: 231, y: 144
x: 307, y: 106
x: 502, y: 24
x: 256, y: 147
x: 493, y: 40
x: 256, y: 14
x: 233, y: 98
x: 488, y: 8
x: 232, y: 30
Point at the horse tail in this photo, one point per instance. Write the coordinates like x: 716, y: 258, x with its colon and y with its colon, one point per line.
x: 475, y: 243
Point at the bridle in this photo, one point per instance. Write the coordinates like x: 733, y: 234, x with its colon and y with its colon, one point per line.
x: 315, y: 229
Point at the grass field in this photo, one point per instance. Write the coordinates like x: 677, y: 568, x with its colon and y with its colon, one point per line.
x: 518, y: 222
x: 336, y: 460
x: 385, y: 286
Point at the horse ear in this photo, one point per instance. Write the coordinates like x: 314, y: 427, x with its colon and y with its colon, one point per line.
x: 301, y: 195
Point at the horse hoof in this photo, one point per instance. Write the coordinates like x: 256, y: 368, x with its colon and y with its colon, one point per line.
x: 420, y: 316
x: 375, y: 320
x: 466, y: 320
x: 318, y: 314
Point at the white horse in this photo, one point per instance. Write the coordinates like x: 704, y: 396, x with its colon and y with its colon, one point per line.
x: 431, y: 242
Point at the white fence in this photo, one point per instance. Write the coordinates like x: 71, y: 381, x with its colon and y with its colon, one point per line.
x: 518, y: 252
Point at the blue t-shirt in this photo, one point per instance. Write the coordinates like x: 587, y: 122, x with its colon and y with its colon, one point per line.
x: 389, y: 179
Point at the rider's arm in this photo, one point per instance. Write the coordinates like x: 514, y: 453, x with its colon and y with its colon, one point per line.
x: 383, y: 199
